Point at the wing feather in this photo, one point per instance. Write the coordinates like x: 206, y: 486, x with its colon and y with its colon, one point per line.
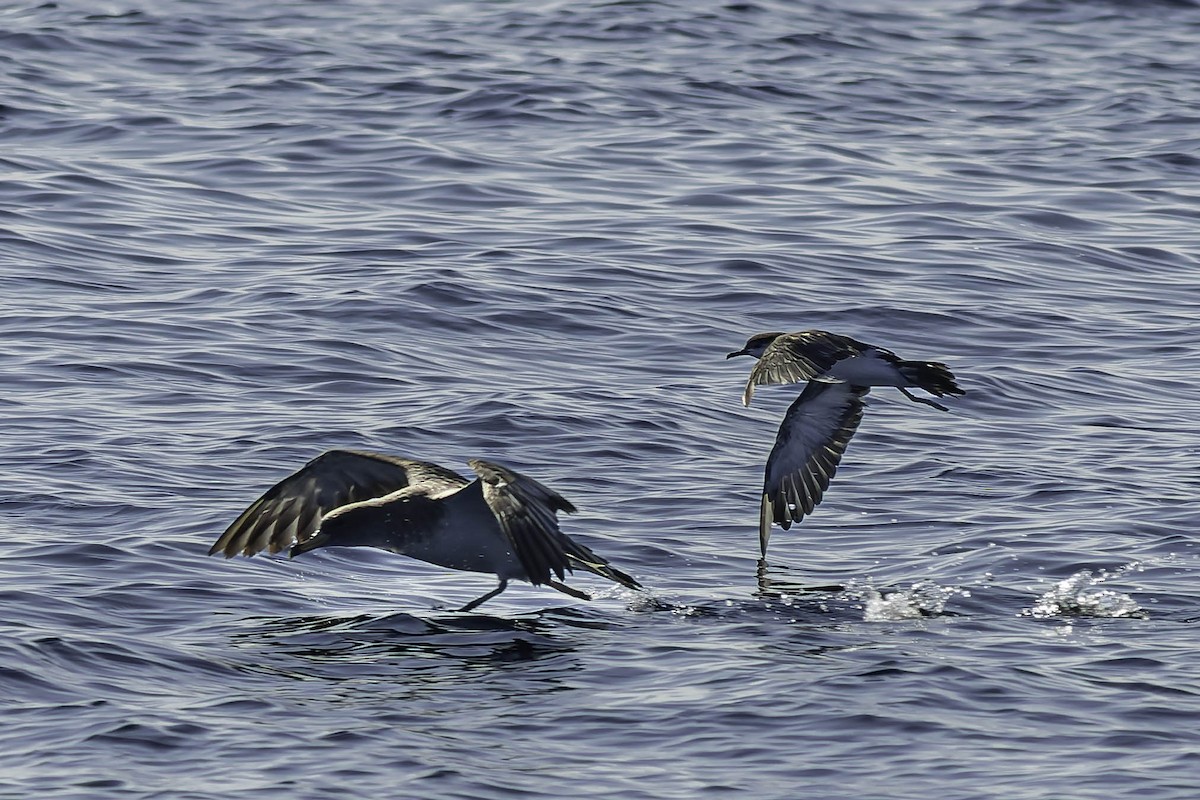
x: 291, y: 510
x: 799, y: 357
x: 812, y: 438
x: 526, y: 511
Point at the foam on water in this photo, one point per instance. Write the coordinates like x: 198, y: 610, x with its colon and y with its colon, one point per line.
x: 922, y: 599
x: 1077, y: 596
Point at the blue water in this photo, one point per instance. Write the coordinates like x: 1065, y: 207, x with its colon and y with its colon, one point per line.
x: 233, y: 235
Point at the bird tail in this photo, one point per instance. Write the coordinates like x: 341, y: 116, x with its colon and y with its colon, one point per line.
x: 933, y: 377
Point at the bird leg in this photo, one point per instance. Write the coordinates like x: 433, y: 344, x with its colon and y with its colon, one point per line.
x: 924, y: 400
x: 478, y: 601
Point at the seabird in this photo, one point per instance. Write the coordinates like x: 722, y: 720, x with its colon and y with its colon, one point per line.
x: 502, y: 523
x: 824, y: 356
x: 812, y: 438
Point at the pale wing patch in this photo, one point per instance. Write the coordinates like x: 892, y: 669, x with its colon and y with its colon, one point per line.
x: 799, y: 357
x: 290, y: 511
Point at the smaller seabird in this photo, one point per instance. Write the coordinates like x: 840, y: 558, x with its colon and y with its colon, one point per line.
x: 824, y: 356
x: 812, y: 438
x: 502, y: 523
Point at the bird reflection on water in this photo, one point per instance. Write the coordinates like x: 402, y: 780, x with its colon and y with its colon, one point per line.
x: 773, y: 584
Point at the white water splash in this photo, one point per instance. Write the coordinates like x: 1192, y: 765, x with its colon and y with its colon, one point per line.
x: 922, y: 599
x: 1076, y: 597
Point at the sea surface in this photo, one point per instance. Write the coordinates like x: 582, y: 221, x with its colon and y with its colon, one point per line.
x: 234, y: 235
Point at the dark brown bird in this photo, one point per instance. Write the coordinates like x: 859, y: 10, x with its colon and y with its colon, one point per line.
x: 501, y: 523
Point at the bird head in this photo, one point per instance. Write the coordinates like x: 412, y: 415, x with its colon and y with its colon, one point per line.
x: 756, y: 344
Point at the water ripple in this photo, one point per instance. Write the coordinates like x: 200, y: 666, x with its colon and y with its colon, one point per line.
x: 237, y: 235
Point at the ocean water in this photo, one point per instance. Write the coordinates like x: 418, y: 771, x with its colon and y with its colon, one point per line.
x: 233, y: 235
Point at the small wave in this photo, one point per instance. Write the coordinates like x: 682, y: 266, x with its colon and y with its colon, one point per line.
x: 1076, y: 597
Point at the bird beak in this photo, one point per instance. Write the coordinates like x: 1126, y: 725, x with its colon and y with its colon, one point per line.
x: 736, y: 353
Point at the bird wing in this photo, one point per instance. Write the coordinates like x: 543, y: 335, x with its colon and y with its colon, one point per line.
x: 812, y: 438
x: 391, y: 522
x: 291, y: 510
x: 798, y: 357
x: 526, y: 511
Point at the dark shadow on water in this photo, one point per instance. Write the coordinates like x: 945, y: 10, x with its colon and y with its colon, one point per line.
x: 341, y: 647
x: 336, y: 648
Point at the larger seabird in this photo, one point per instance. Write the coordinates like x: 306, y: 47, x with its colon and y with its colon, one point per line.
x: 502, y: 523
x: 824, y: 356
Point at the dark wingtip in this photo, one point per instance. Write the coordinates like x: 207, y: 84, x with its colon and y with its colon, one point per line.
x: 318, y: 539
x: 223, y: 546
x: 625, y: 579
x: 618, y: 576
